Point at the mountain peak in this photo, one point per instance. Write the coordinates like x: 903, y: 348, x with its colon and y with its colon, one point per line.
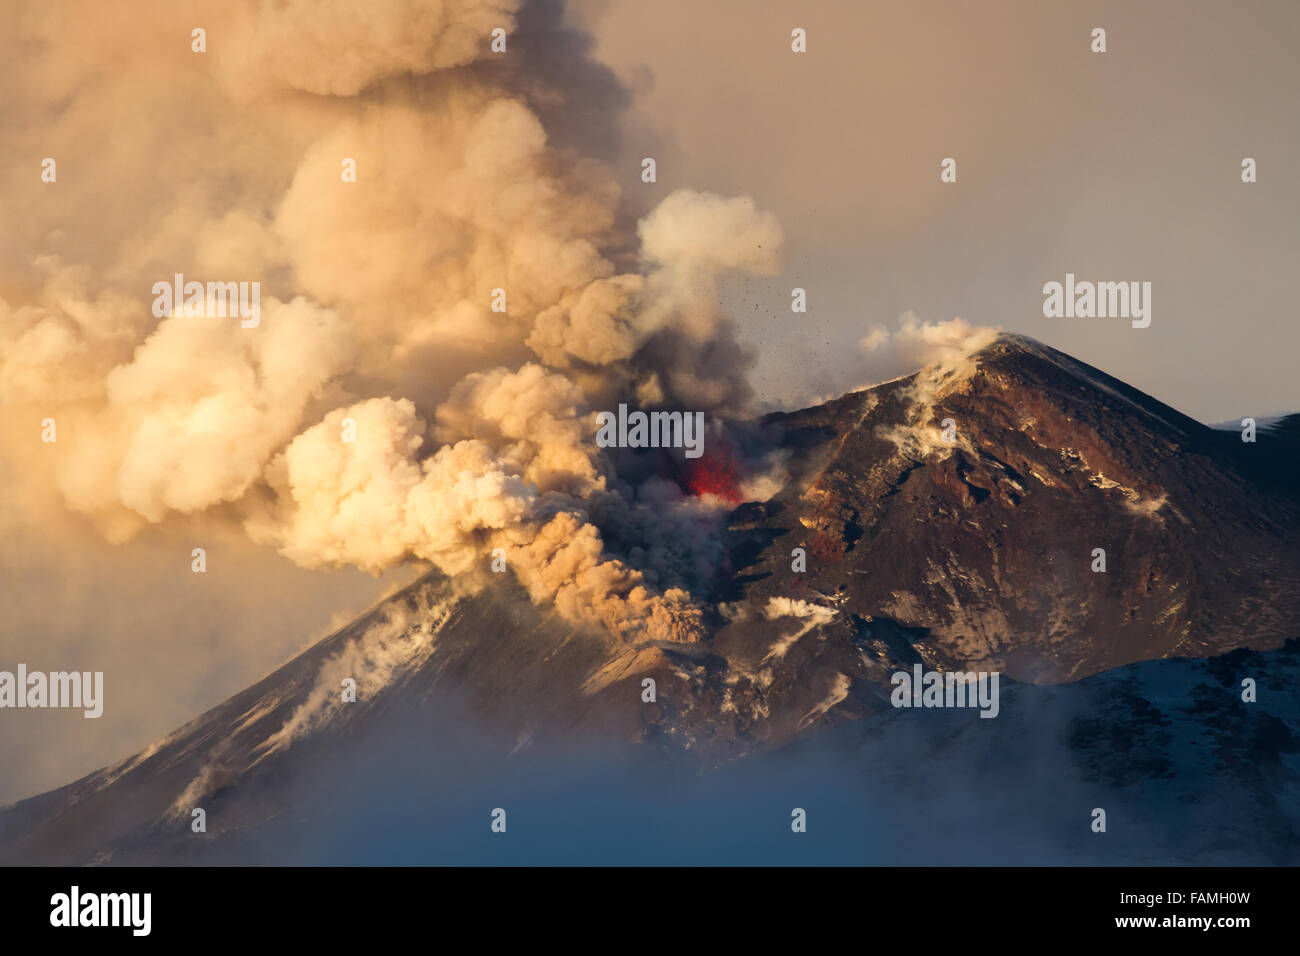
x: 1009, y: 510
x: 1016, y: 508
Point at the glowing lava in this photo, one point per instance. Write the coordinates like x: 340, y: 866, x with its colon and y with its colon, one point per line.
x: 714, y: 474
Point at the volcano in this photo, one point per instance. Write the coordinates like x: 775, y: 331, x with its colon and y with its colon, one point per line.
x: 714, y: 474
x: 1012, y: 510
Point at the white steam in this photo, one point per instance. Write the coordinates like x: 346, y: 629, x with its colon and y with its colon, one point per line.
x: 944, y: 352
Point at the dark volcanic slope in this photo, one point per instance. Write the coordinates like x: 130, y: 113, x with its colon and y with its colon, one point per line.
x: 432, y: 671
x: 983, y: 548
x: 971, y: 555
x: 1187, y: 772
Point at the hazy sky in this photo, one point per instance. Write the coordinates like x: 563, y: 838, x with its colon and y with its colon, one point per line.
x: 1122, y: 166
x: 1117, y: 166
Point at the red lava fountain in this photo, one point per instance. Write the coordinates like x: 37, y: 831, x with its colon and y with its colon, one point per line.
x: 714, y: 474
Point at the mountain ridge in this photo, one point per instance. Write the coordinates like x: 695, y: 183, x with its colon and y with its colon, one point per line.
x: 947, y: 518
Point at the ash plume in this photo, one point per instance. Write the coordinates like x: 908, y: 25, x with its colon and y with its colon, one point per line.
x: 472, y: 427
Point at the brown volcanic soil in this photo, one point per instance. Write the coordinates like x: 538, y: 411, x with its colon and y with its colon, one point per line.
x: 984, y: 548
x: 974, y: 555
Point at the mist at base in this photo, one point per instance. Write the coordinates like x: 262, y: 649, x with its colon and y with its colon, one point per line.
x: 905, y: 788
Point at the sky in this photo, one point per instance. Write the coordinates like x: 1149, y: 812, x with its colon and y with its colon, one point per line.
x: 1122, y: 166
x: 1115, y: 166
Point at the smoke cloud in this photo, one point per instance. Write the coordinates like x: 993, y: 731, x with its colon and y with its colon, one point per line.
x: 435, y: 335
x: 943, y: 350
x: 915, y: 344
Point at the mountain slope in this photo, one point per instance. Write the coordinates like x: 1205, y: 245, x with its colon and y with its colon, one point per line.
x: 970, y: 554
x: 985, y: 547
